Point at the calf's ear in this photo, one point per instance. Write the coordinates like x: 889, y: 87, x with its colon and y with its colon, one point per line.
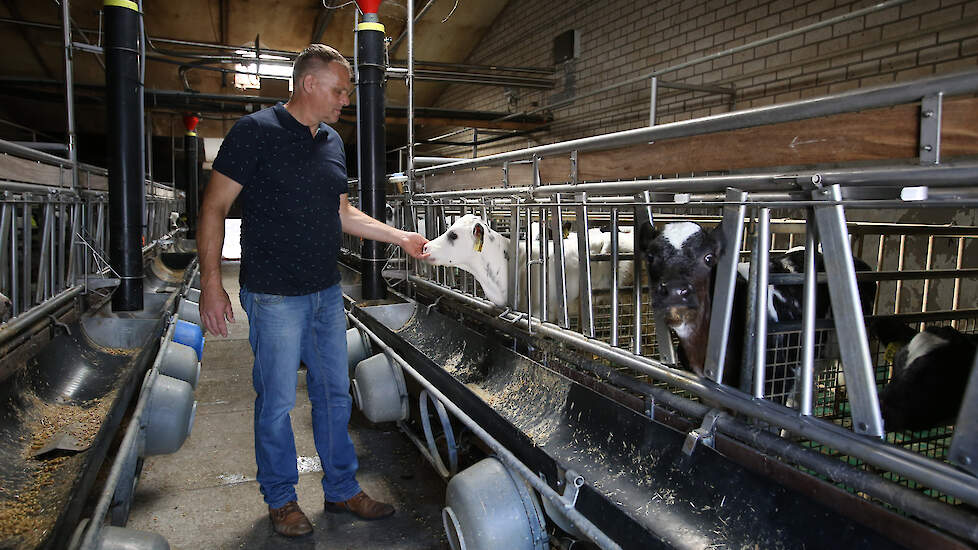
x: 478, y: 233
x: 566, y: 228
x: 646, y: 234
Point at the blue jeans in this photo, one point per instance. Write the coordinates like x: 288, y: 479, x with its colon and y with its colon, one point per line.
x: 283, y: 330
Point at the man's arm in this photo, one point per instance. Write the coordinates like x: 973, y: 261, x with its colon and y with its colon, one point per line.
x: 215, y: 305
x: 357, y: 223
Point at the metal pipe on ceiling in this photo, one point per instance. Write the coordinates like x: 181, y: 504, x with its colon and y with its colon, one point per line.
x: 69, y: 91
x: 409, y: 31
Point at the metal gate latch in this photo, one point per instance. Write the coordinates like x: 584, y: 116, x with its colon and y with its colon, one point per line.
x: 704, y: 434
x: 572, y: 487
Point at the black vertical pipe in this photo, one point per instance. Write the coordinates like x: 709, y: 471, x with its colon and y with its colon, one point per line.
x: 370, y: 105
x: 125, y: 163
x: 190, y: 156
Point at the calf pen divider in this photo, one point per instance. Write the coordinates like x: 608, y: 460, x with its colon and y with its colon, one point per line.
x: 849, y: 203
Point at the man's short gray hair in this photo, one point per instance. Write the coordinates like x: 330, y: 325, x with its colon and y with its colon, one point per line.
x: 314, y: 56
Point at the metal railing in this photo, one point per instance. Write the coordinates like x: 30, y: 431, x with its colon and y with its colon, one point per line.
x: 53, y: 235
x: 921, y: 271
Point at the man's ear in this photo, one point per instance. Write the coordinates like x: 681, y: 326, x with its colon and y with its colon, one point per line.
x: 308, y: 82
x: 646, y: 234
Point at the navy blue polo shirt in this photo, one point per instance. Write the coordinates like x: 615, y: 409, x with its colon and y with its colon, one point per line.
x: 292, y: 182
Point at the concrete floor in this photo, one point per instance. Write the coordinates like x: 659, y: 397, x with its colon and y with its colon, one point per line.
x: 205, y: 496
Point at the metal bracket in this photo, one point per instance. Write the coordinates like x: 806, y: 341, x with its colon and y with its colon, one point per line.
x: 650, y: 405
x: 572, y: 488
x: 964, y: 444
x: 573, y: 172
x: 930, y: 128
x: 704, y: 434
x: 54, y: 321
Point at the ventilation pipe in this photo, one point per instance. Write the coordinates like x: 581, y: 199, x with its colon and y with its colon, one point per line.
x: 190, y: 159
x: 125, y: 161
x: 370, y: 135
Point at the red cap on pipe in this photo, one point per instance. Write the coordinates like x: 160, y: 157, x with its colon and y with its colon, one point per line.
x: 190, y: 122
x: 368, y: 6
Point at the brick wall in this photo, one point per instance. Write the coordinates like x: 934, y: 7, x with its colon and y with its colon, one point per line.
x: 625, y: 39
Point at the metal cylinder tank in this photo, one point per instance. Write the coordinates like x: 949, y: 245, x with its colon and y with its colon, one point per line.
x: 489, y: 508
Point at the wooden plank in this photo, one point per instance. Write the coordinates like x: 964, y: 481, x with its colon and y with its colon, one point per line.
x: 21, y: 170
x: 876, y: 135
x: 30, y: 171
x: 491, y: 177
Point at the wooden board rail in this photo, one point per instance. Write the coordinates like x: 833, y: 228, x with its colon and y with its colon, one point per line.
x: 887, y: 134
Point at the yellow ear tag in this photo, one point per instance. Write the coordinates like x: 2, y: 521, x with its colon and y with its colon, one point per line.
x: 891, y: 350
x: 477, y: 233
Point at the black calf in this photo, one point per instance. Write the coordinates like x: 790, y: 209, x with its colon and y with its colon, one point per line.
x: 930, y: 374
x: 682, y: 260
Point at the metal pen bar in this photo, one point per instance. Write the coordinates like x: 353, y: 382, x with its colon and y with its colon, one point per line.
x: 848, y: 315
x: 527, y: 267
x: 640, y: 215
x: 899, y: 283
x: 880, y: 255
x: 956, y: 296
x: 584, y: 258
x: 929, y: 472
x: 512, y: 283
x: 847, y: 102
x: 544, y: 249
x: 614, y: 276
x: 43, y: 284
x: 964, y: 444
x: 750, y: 336
x: 928, y: 263
x: 808, y: 319
x: 63, y: 254
x: 724, y: 285
x: 896, y: 176
x: 560, y: 277
x: 6, y: 244
x: 653, y: 96
x: 760, y: 257
x: 26, y: 258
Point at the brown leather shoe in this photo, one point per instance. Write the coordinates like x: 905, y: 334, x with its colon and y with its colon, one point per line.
x: 362, y: 506
x: 289, y: 520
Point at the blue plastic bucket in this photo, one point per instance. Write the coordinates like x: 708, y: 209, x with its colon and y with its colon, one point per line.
x: 189, y: 334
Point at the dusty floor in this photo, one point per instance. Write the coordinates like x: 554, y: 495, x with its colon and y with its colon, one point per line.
x: 205, y: 496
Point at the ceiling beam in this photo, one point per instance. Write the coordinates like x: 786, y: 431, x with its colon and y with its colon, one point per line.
x: 32, y: 44
x: 323, y: 19
x: 47, y: 90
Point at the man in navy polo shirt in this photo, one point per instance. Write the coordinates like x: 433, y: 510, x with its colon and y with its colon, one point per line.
x: 289, y: 168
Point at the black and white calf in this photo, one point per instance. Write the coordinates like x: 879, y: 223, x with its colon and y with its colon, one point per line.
x: 930, y: 373
x: 470, y: 244
x: 682, y: 260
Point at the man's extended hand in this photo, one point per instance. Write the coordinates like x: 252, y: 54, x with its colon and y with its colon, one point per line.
x: 215, y: 307
x: 413, y: 244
